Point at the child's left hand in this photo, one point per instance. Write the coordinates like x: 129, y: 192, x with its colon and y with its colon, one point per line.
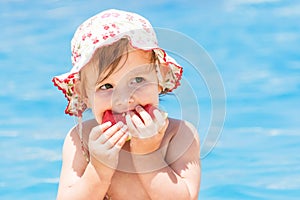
x: 147, y: 133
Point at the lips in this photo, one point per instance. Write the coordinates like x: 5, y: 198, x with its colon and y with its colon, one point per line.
x: 116, y: 117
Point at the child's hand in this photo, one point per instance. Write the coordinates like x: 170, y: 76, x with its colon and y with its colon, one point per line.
x: 147, y: 133
x: 105, y: 143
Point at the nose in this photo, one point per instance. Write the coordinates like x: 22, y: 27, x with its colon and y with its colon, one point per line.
x: 123, y: 98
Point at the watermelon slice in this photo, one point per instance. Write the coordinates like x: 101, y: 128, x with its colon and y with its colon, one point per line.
x: 114, y: 118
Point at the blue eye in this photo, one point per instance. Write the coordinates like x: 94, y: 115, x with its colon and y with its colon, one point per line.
x: 138, y: 80
x: 106, y: 86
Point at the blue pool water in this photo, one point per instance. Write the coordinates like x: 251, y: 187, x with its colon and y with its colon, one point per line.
x: 254, y: 44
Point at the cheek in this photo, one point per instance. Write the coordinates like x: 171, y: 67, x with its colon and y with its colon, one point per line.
x: 101, y: 103
x: 149, y: 93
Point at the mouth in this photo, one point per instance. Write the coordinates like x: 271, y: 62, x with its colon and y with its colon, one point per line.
x: 113, y: 117
x: 109, y: 115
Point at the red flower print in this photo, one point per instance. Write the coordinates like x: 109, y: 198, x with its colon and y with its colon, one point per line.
x: 129, y: 17
x: 95, y: 40
x: 143, y: 21
x: 75, y: 56
x: 71, y: 76
x: 106, y: 27
x: 147, y: 29
x: 111, y: 34
x: 105, y: 15
x: 105, y: 37
x: 115, y: 14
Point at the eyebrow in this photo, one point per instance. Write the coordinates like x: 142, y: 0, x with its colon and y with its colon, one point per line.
x: 144, y: 69
x: 148, y: 68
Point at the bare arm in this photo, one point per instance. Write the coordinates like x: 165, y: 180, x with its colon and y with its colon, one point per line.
x: 176, y: 175
x: 79, y: 179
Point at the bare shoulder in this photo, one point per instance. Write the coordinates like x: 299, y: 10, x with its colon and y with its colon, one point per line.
x: 183, y: 140
x: 183, y: 154
x: 181, y: 129
x: 74, y: 134
x: 74, y: 145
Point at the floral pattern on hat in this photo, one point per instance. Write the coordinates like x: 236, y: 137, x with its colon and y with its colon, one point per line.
x: 104, y: 29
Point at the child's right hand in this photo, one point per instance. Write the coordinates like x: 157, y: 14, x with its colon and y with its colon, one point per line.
x: 105, y: 143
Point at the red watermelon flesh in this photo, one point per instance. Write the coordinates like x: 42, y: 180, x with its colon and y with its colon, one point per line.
x: 116, y: 117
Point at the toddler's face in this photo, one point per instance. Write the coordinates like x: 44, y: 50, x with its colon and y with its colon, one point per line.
x: 134, y: 82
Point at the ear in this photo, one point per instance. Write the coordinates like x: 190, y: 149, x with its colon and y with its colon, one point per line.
x: 81, y: 94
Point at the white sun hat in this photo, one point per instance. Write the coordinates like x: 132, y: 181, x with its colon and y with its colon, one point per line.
x: 104, y: 29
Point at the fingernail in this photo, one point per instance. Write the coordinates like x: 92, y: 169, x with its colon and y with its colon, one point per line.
x: 138, y: 108
x: 108, y: 123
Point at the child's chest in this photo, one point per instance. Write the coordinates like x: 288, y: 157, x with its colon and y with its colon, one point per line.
x: 125, y: 182
x: 126, y: 186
